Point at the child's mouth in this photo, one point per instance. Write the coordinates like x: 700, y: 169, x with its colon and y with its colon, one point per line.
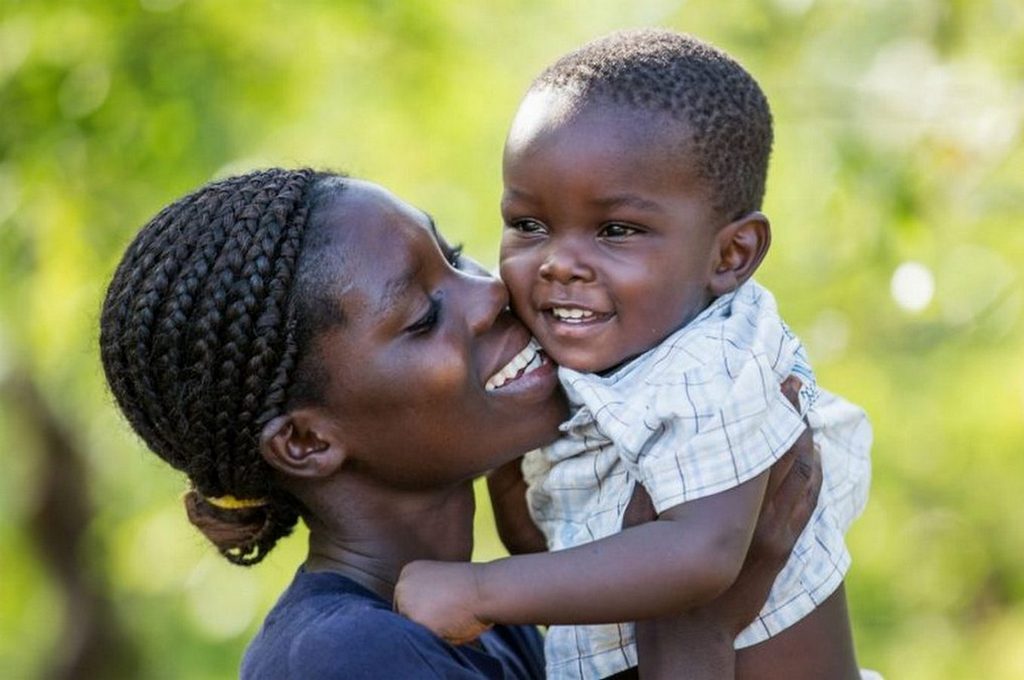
x: 528, y: 360
x: 576, y: 315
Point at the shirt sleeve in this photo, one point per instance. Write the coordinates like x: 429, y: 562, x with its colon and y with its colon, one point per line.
x: 710, y: 430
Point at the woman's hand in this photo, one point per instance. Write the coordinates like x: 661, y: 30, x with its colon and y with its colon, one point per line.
x: 701, y: 640
x: 441, y: 596
x: 792, y: 494
x: 784, y: 515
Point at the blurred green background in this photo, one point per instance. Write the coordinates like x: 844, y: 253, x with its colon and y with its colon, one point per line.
x: 896, y: 194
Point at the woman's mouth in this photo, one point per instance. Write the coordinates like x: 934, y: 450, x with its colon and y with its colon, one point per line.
x: 528, y: 360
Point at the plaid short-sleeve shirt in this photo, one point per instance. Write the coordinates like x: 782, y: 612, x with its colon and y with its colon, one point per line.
x: 700, y: 413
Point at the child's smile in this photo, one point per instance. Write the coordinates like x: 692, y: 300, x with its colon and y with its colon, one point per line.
x: 609, y: 244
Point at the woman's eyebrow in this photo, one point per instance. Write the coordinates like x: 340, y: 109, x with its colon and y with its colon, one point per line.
x: 442, y: 242
x: 397, y: 288
x: 433, y: 226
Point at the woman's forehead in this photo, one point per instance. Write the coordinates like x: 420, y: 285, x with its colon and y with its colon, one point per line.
x: 366, y: 206
x: 380, y: 243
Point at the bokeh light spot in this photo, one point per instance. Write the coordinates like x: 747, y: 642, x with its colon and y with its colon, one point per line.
x: 912, y: 286
x: 84, y: 90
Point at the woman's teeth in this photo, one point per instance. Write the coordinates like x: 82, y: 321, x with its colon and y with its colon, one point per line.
x: 572, y: 314
x: 527, y: 360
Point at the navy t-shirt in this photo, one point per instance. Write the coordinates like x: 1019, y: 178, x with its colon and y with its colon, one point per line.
x: 325, y: 625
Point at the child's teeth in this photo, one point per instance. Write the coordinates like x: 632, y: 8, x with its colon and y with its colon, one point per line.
x: 573, y: 313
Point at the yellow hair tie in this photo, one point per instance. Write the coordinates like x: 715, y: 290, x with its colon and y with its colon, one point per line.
x: 229, y: 502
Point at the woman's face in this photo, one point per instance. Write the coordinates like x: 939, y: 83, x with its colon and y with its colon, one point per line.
x: 415, y: 366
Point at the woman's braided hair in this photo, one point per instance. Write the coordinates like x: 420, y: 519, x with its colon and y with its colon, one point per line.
x: 199, y: 344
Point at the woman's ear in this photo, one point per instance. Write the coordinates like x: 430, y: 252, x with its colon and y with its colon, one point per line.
x: 740, y: 247
x: 301, y: 444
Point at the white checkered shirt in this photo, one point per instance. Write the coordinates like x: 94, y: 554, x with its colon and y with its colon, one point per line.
x: 700, y: 413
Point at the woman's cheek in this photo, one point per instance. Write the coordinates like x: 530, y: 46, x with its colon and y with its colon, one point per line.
x: 449, y: 372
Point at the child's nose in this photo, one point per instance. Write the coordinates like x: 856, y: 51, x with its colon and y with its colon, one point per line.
x: 565, y: 265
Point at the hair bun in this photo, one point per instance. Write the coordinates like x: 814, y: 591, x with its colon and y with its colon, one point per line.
x: 243, y: 535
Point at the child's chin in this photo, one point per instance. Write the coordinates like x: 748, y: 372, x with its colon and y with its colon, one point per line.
x: 585, y: 364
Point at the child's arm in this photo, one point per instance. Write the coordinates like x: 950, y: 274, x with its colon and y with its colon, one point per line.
x: 508, y: 498
x: 690, y: 555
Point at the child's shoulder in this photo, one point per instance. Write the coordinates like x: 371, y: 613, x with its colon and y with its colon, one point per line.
x: 734, y: 326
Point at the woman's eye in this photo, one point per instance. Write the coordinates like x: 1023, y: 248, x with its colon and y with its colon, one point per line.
x: 454, y: 256
x: 426, y: 322
x: 617, y: 231
x: 527, y: 226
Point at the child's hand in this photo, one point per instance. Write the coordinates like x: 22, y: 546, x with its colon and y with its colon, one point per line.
x: 441, y: 596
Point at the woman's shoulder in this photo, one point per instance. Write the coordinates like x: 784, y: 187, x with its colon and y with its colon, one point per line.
x: 327, y: 626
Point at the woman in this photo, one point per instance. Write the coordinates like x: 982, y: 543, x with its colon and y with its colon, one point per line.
x: 305, y: 345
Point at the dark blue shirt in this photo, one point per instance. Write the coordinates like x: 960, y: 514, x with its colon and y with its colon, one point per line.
x: 325, y: 625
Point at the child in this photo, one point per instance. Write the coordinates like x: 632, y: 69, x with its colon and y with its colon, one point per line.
x: 634, y: 172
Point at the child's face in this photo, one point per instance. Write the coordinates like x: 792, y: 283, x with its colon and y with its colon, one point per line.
x: 609, y: 240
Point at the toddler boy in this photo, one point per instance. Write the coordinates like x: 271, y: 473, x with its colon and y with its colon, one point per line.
x: 634, y: 172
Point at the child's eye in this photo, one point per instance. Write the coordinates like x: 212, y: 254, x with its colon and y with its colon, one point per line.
x: 616, y: 230
x: 527, y: 226
x: 426, y: 323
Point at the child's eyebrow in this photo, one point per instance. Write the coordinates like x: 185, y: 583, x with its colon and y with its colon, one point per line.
x: 630, y: 201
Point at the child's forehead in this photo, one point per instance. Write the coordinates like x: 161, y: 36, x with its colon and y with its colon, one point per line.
x: 551, y: 111
x: 629, y: 135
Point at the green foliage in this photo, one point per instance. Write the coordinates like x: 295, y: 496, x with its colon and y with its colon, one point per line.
x: 899, y: 141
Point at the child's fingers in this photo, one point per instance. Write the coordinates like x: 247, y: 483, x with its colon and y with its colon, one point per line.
x: 466, y: 636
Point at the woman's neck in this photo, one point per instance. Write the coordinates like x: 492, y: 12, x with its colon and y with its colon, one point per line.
x: 373, y: 533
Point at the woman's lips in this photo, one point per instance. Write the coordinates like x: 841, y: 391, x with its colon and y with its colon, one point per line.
x: 529, y: 359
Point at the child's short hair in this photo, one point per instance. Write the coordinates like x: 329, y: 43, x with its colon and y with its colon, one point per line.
x: 726, y: 114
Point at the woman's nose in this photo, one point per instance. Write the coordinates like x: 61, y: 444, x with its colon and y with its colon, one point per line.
x: 488, y: 297
x: 564, y: 264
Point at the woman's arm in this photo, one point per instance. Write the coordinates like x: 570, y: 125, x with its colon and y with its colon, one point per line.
x: 507, y: 490
x: 701, y: 640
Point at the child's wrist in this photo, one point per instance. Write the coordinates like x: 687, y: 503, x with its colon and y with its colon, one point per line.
x: 486, y: 603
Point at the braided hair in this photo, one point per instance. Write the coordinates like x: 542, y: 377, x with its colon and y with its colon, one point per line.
x: 727, y: 124
x: 199, y: 342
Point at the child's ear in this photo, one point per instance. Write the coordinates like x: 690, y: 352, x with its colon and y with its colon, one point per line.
x: 740, y: 246
x: 301, y: 444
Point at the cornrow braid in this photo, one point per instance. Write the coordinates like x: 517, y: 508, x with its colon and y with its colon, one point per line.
x: 726, y: 121
x: 198, y: 341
